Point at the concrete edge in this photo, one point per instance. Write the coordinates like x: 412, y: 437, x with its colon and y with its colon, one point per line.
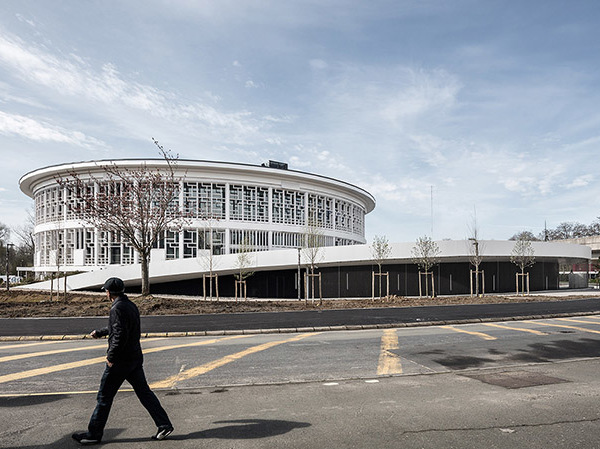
x: 220, y: 333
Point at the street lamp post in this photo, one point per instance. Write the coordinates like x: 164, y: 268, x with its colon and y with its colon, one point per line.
x: 475, y: 259
x: 8, y: 246
x: 299, y: 281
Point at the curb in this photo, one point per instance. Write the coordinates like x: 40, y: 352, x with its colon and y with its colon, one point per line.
x: 303, y: 329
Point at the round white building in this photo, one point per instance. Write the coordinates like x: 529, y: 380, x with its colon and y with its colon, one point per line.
x: 266, y: 207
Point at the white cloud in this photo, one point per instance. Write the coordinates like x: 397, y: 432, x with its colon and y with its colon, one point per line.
x: 18, y: 125
x: 23, y: 19
x: 419, y: 93
x: 76, y: 79
x: 318, y: 64
x: 296, y: 162
x: 581, y: 181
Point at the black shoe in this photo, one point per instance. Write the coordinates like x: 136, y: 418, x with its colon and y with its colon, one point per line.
x: 85, y: 438
x: 163, y: 432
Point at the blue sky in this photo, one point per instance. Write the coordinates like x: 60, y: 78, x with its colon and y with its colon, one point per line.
x: 495, y: 105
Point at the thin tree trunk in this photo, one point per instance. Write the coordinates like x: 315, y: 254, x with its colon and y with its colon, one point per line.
x: 145, y: 275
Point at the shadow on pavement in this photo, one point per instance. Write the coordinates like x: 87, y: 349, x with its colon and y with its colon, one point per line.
x: 24, y: 401
x: 244, y: 429
x: 67, y: 441
x: 560, y: 350
x: 534, y: 353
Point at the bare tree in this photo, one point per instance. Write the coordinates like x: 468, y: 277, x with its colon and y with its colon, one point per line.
x: 426, y: 255
x: 594, y: 228
x: 476, y: 249
x: 4, y: 236
x: 210, y: 246
x: 243, y: 264
x: 312, y: 243
x: 527, y: 235
x: 140, y: 203
x: 57, y: 251
x: 380, y: 251
x: 26, y: 235
x: 523, y: 256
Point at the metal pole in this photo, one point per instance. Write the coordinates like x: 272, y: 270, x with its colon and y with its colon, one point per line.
x: 483, y: 282
x: 471, y: 280
x: 299, y: 276
x: 372, y: 286
x: 387, y: 278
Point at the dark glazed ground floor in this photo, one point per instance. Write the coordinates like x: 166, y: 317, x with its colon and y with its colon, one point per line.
x: 356, y: 281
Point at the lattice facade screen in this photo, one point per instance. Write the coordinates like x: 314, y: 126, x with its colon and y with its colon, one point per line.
x: 209, y: 207
x: 204, y: 200
x: 49, y: 205
x: 172, y: 245
x: 75, y: 199
x: 190, y: 243
x: 212, y: 238
x: 249, y: 203
x: 343, y: 216
x: 358, y: 220
x: 289, y: 207
x: 320, y: 211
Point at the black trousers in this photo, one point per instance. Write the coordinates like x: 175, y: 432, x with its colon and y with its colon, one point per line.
x: 112, y: 379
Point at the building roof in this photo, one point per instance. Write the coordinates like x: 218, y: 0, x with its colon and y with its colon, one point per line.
x: 49, y: 174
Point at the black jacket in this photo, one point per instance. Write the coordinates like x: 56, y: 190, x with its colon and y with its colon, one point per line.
x: 123, y: 331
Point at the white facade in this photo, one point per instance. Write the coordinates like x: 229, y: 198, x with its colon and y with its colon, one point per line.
x: 455, y: 251
x: 266, y: 207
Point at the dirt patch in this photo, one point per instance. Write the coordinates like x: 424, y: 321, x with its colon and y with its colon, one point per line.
x: 38, y: 304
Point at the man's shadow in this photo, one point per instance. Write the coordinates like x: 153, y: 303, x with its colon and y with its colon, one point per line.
x: 241, y: 429
x: 244, y: 429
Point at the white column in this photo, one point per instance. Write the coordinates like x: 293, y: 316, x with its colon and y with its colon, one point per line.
x: 270, y: 209
x: 227, y: 208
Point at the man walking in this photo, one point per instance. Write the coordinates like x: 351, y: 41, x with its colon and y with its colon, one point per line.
x: 124, y: 362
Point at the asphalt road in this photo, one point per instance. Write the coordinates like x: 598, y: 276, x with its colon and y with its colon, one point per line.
x: 527, y: 384
x: 296, y: 320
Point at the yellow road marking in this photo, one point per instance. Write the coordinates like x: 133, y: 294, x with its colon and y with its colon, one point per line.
x: 477, y: 334
x: 576, y: 321
x: 203, y: 369
x: 10, y: 358
x: 531, y: 331
x: 53, y: 393
x: 568, y: 327
x: 25, y: 345
x: 66, y: 366
x: 389, y: 363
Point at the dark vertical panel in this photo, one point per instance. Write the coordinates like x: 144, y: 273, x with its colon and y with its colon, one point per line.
x: 281, y: 283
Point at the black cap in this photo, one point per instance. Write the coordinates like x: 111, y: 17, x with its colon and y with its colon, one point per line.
x: 114, y: 285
